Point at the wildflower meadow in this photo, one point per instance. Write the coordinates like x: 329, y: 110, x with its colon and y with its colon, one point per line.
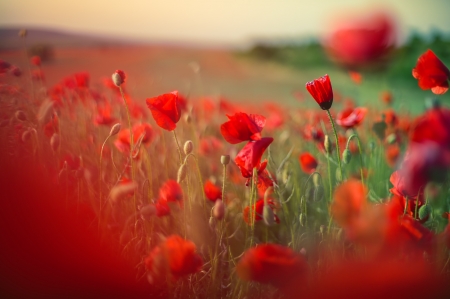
x: 175, y: 195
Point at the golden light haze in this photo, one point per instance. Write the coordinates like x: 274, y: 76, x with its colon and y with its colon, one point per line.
x: 214, y: 21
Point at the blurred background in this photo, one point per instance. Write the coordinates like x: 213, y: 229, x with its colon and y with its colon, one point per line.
x: 245, y: 50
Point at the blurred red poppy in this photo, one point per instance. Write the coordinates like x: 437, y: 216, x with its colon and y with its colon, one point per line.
x: 166, y: 110
x: 175, y: 256
x: 351, y: 117
x: 171, y: 191
x: 243, y: 127
x: 250, y: 156
x: 432, y: 126
x: 35, y: 60
x: 272, y: 264
x: 257, y: 211
x: 212, y: 192
x: 363, y: 42
x: 431, y: 73
x: 308, y: 163
x: 322, y: 92
x: 123, y: 138
x: 348, y: 201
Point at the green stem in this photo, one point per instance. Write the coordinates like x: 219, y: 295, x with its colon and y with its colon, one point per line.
x: 338, y: 152
x: 360, y: 154
x: 131, y: 147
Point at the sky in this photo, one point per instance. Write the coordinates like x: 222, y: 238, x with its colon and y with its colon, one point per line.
x: 214, y: 21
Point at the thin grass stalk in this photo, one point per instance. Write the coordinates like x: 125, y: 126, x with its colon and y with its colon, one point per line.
x: 338, y: 152
x: 360, y: 154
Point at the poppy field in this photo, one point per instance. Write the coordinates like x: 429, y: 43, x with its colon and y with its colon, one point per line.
x: 191, y: 196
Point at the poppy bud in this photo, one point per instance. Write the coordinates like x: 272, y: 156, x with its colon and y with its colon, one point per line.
x: 23, y: 33
x: 147, y: 211
x: 115, y: 129
x: 219, y: 209
x: 319, y: 193
x: 20, y: 115
x: 188, y: 146
x: 424, y: 211
x: 181, y: 173
x: 225, y: 159
x: 391, y: 139
x: 268, y: 215
x: 346, y: 156
x: 54, y: 142
x: 118, y: 77
x: 327, y: 144
x: 316, y: 178
x: 303, y: 251
x: 212, y: 223
x: 338, y: 175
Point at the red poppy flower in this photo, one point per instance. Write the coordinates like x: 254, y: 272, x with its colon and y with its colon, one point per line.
x: 166, y: 110
x: 272, y: 264
x: 431, y: 73
x: 308, y: 163
x: 209, y: 145
x: 348, y: 201
x: 321, y: 90
x: 212, y: 192
x: 361, y: 42
x: 177, y: 256
x: 257, y: 211
x: 123, y: 138
x: 82, y: 79
x: 355, y: 76
x: 104, y: 116
x: 351, y: 117
x: 162, y: 208
x: 432, y: 126
x: 243, y: 127
x: 250, y: 156
x: 36, y: 60
x: 171, y: 191
x: 386, y: 97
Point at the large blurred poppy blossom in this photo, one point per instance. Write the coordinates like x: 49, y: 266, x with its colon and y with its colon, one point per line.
x: 322, y: 92
x: 431, y: 73
x: 166, y: 110
x: 176, y: 255
x: 272, y: 264
x: 243, y: 127
x: 361, y: 42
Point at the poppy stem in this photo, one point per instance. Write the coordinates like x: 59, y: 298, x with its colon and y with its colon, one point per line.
x: 338, y: 152
x: 360, y: 154
x: 131, y: 146
x: 100, y: 179
x: 178, y: 146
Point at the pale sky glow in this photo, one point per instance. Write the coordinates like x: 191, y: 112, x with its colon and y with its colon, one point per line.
x: 226, y: 21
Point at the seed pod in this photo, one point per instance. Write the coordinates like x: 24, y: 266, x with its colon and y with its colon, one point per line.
x: 319, y: 193
x: 54, y: 142
x: 219, y: 209
x: 346, y: 156
x: 327, y: 144
x: 303, y: 251
x: 118, y: 77
x: 182, y: 171
x: 115, y: 129
x: 268, y: 215
x: 424, y: 211
x: 188, y: 147
x: 20, y: 115
x: 225, y: 159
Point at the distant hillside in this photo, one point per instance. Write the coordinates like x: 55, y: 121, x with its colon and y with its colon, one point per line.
x: 9, y: 39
